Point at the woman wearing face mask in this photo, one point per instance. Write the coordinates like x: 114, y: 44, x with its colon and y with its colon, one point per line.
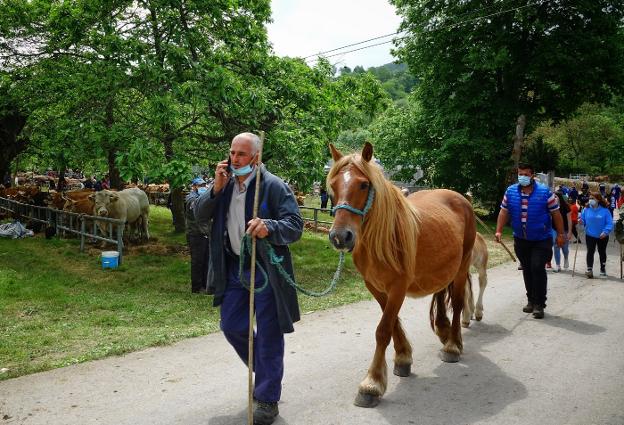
x: 598, y: 223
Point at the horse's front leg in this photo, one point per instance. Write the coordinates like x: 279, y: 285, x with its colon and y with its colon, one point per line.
x: 402, y: 348
x: 373, y: 387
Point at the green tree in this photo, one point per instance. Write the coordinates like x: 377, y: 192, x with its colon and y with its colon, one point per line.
x: 485, y: 66
x: 592, y: 141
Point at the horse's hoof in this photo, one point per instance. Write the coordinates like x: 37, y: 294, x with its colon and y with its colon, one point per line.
x: 366, y: 400
x: 478, y: 318
x: 402, y: 370
x: 465, y: 324
x: 449, y: 357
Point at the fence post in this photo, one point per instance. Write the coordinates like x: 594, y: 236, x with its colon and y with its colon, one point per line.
x: 82, y: 233
x: 120, y: 229
x: 315, y: 219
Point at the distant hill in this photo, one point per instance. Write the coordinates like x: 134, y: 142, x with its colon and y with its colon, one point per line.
x: 395, y: 78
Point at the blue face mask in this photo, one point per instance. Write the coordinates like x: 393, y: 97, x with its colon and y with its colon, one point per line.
x: 242, y: 171
x: 202, y: 190
x: 524, y: 180
x: 593, y: 203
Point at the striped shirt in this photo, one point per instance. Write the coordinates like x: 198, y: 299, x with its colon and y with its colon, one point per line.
x: 553, y: 205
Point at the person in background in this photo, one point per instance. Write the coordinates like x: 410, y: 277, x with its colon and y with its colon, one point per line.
x: 198, y: 239
x: 88, y: 183
x: 324, y: 197
x: 532, y: 208
x: 584, y: 195
x: 564, y: 210
x: 6, y: 180
x: 574, y: 214
x: 573, y: 195
x: 613, y: 199
x: 106, y: 182
x: 598, y: 223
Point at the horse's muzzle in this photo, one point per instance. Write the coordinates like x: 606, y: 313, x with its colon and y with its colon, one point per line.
x: 343, y: 239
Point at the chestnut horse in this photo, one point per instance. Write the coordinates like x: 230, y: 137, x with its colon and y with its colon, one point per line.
x: 412, y: 246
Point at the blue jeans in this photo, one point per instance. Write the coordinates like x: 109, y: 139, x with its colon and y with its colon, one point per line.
x: 565, y: 248
x: 268, y: 339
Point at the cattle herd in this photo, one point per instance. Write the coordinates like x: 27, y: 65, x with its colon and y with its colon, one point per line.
x: 130, y: 205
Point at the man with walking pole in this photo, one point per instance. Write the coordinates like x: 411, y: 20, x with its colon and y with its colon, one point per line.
x: 532, y: 208
x: 230, y: 204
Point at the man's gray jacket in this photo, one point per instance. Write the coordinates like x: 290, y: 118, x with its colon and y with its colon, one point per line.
x: 280, y: 212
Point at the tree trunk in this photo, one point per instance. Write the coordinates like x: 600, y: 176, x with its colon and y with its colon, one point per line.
x: 516, y: 153
x: 11, y: 145
x: 113, y: 171
x: 518, y: 140
x: 177, y: 198
x: 177, y: 209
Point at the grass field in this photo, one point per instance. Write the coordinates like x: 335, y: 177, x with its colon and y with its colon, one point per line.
x: 58, y: 307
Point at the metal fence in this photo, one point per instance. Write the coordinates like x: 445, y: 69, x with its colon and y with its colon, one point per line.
x: 85, y: 227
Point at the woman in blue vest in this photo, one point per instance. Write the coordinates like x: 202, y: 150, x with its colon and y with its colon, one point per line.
x: 532, y: 208
x: 598, y: 223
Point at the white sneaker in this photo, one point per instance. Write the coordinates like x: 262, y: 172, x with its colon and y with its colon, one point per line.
x: 557, y: 269
x: 566, y: 264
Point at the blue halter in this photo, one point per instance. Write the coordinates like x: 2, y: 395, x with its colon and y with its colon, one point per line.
x: 367, y: 207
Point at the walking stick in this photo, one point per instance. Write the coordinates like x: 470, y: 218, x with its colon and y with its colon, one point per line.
x: 492, y: 233
x: 252, y: 287
x: 621, y: 260
x: 576, y: 252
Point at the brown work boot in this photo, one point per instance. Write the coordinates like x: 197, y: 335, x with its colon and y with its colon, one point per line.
x: 528, y: 308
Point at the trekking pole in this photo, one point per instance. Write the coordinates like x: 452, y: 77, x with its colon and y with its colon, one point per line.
x: 252, y: 287
x: 501, y: 241
x: 578, y: 242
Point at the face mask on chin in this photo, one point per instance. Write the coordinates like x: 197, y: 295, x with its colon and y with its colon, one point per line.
x: 242, y: 171
x: 202, y: 190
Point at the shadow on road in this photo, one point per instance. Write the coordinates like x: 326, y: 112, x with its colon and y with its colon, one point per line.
x: 460, y: 393
x: 573, y: 325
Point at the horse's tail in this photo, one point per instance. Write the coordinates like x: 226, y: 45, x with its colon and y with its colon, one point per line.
x: 440, y: 302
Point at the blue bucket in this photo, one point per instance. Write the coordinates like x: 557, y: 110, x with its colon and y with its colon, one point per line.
x: 110, y: 259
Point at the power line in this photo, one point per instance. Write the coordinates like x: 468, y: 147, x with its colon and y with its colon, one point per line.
x: 402, y: 38
x: 351, y: 45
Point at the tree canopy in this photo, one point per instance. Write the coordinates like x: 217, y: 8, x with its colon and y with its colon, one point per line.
x: 483, y: 65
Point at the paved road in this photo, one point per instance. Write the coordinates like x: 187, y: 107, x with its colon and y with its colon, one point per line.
x: 565, y: 369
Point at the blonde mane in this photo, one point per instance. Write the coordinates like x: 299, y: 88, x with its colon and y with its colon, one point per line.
x: 390, y: 230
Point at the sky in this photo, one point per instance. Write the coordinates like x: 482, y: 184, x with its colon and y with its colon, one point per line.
x: 304, y: 27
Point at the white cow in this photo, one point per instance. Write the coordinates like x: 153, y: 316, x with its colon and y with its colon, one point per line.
x: 130, y: 205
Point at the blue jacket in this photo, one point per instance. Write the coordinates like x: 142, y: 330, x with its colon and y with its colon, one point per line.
x: 539, y: 224
x: 596, y: 221
x: 278, y: 207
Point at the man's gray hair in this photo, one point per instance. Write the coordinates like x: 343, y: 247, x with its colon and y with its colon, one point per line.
x: 252, y: 138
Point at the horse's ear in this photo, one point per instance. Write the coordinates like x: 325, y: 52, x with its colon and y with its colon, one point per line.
x: 367, y: 151
x: 336, y: 154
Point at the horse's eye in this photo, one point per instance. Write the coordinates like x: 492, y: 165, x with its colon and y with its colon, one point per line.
x: 364, y: 185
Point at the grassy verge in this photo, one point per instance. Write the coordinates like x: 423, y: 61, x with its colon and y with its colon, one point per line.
x: 58, y: 307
